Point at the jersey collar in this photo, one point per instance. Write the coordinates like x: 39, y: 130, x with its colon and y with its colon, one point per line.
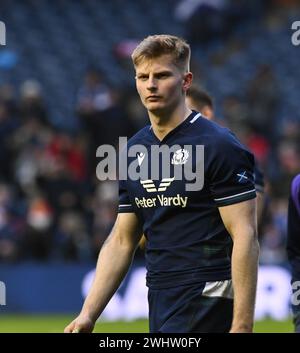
x: 189, y: 120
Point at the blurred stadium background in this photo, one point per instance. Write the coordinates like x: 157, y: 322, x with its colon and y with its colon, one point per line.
x: 67, y: 86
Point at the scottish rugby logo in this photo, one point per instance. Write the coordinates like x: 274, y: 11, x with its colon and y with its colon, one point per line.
x: 180, y: 157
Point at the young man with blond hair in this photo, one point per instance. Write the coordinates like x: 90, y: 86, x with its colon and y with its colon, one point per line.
x: 190, y: 234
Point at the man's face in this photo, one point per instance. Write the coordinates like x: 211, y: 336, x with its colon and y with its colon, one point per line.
x: 161, y: 84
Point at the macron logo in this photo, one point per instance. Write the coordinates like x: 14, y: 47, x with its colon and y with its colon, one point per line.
x: 140, y: 157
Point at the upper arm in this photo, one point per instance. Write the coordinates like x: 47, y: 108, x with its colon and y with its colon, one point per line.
x: 230, y: 172
x: 127, y: 230
x: 240, y: 217
x: 260, y: 204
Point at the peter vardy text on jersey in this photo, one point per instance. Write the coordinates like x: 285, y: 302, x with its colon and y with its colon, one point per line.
x: 162, y: 201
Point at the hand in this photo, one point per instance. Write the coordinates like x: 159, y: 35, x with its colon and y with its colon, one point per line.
x: 82, y: 324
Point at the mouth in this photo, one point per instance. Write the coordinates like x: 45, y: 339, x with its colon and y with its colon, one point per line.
x: 153, y: 97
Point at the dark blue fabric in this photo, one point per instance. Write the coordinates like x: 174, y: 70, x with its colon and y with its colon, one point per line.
x: 188, y: 243
x: 184, y: 310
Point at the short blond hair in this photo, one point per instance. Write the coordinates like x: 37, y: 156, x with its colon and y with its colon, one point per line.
x: 163, y: 44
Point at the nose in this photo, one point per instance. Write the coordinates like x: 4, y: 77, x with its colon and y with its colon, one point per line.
x: 151, y: 84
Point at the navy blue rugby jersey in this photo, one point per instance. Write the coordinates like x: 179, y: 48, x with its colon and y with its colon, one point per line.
x: 186, y: 238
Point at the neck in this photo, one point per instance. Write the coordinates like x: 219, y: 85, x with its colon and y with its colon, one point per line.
x: 163, y: 123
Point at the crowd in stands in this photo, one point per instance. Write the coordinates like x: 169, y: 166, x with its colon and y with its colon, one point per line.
x: 53, y: 207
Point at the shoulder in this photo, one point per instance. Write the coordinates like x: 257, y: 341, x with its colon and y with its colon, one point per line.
x: 211, y: 132
x: 295, y: 193
x: 295, y: 187
x: 217, y: 139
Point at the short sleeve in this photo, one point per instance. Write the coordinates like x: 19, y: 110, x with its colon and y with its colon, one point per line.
x: 231, y: 172
x: 125, y: 204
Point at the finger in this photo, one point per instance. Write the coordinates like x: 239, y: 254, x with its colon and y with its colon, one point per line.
x: 68, y: 329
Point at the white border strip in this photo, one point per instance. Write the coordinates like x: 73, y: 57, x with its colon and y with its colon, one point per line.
x: 223, y: 289
x: 195, y: 118
x: 230, y: 197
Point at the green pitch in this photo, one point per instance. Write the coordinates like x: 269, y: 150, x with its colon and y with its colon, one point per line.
x: 56, y: 323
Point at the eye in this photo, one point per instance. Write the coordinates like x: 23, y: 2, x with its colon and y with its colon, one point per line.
x: 162, y: 75
x: 143, y: 77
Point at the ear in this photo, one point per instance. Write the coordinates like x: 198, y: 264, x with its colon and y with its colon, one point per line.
x: 187, y: 81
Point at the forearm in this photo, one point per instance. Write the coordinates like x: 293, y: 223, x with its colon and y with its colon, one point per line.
x: 113, y: 263
x: 244, y: 276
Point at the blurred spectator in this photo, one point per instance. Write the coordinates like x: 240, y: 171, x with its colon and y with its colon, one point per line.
x: 37, y: 240
x: 274, y: 235
x: 204, y: 20
x: 8, y: 125
x: 235, y: 112
x: 103, y: 119
x: 8, y: 97
x: 257, y: 143
x: 287, y: 166
x: 105, y: 210
x: 123, y: 51
x: 262, y: 99
x: 63, y: 149
x: 11, y: 226
x: 31, y: 102
x: 29, y: 146
x: 136, y: 112
x: 71, y: 241
x: 94, y: 95
x: 210, y: 20
x: 290, y: 131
